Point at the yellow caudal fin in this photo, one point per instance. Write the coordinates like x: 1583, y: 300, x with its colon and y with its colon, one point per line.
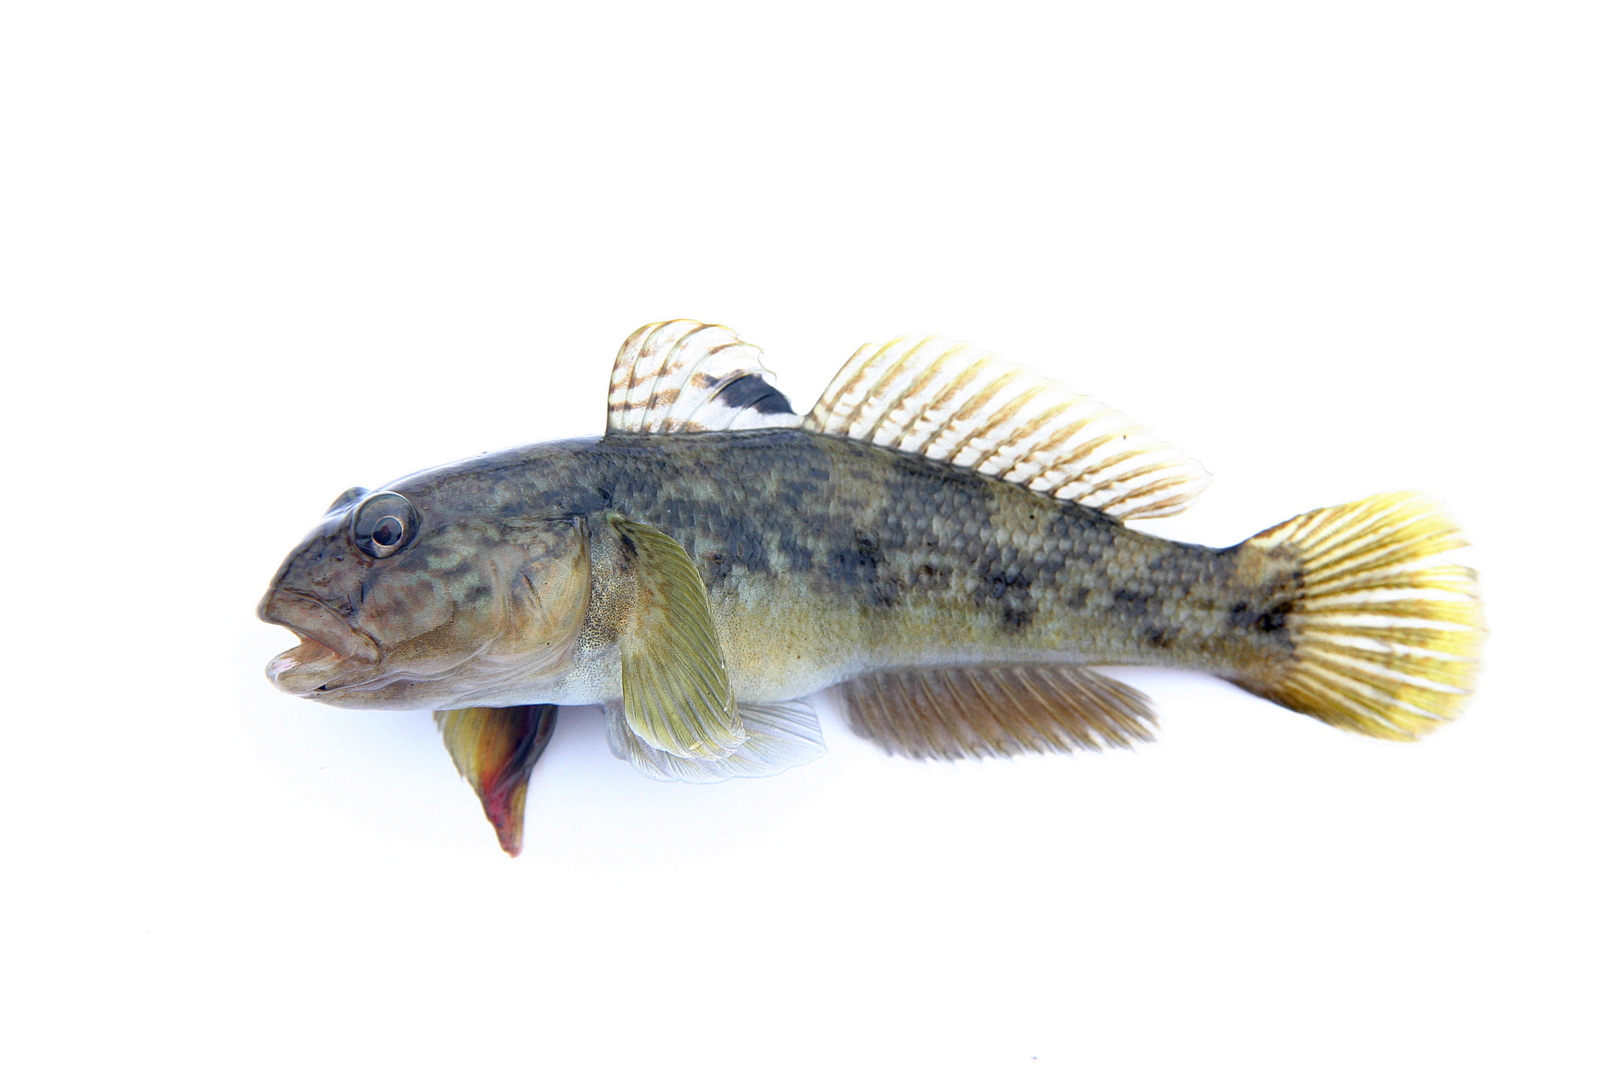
x: 1385, y: 634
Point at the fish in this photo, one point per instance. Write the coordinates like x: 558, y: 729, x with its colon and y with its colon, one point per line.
x: 942, y: 540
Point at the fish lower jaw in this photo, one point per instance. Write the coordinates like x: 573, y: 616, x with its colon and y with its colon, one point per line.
x: 312, y: 668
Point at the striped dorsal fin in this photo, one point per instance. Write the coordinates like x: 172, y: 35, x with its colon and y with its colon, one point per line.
x: 687, y: 377
x: 953, y: 402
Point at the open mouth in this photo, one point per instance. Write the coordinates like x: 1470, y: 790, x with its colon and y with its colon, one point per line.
x: 330, y: 654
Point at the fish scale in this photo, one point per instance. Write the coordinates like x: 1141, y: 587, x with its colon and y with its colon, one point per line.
x: 889, y: 559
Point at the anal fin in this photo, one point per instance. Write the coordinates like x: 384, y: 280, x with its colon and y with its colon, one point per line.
x: 995, y: 710
x: 495, y: 750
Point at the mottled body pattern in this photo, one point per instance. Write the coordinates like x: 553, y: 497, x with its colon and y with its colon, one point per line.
x: 943, y: 534
x: 826, y: 557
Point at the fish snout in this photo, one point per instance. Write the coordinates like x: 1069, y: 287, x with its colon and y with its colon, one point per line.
x: 331, y: 652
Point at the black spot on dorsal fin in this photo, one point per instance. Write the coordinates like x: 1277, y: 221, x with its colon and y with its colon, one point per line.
x: 687, y: 377
x: 752, y: 391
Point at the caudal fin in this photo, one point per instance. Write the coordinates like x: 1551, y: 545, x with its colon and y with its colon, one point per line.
x: 1385, y: 634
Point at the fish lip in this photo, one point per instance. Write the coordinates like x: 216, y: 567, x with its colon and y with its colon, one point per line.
x: 331, y: 655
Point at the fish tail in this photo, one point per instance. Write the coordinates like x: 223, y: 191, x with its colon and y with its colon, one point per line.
x: 1374, y: 633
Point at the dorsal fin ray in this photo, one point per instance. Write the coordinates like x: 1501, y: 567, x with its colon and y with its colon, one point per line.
x: 687, y: 377
x: 951, y: 401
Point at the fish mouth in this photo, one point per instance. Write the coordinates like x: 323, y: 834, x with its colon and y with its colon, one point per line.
x: 331, y: 654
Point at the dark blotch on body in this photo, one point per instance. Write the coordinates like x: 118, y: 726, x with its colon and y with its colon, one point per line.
x: 1132, y: 600
x: 1017, y: 618
x: 860, y: 565
x: 1245, y: 616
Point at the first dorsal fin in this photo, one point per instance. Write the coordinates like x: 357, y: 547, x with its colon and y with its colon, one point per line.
x: 957, y: 403
x: 687, y: 377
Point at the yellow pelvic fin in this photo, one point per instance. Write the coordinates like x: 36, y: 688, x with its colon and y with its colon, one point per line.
x: 1386, y: 635
x: 953, y: 402
x: 675, y: 691
x: 687, y: 377
x: 495, y: 750
x: 995, y: 710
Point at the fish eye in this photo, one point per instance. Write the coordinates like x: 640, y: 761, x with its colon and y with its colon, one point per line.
x: 384, y: 524
x: 388, y: 532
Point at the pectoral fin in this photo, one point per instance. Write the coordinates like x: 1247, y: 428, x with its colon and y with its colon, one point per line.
x: 675, y: 692
x: 995, y: 710
x: 495, y: 749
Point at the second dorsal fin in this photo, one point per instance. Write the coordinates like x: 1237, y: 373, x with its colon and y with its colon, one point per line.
x: 957, y: 403
x: 687, y: 377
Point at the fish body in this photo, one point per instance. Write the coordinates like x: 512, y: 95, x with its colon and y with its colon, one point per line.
x: 824, y: 558
x: 943, y: 536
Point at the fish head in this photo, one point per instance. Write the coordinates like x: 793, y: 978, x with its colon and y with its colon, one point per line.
x: 415, y: 597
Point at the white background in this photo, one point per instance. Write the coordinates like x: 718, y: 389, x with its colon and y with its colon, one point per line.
x: 257, y: 253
